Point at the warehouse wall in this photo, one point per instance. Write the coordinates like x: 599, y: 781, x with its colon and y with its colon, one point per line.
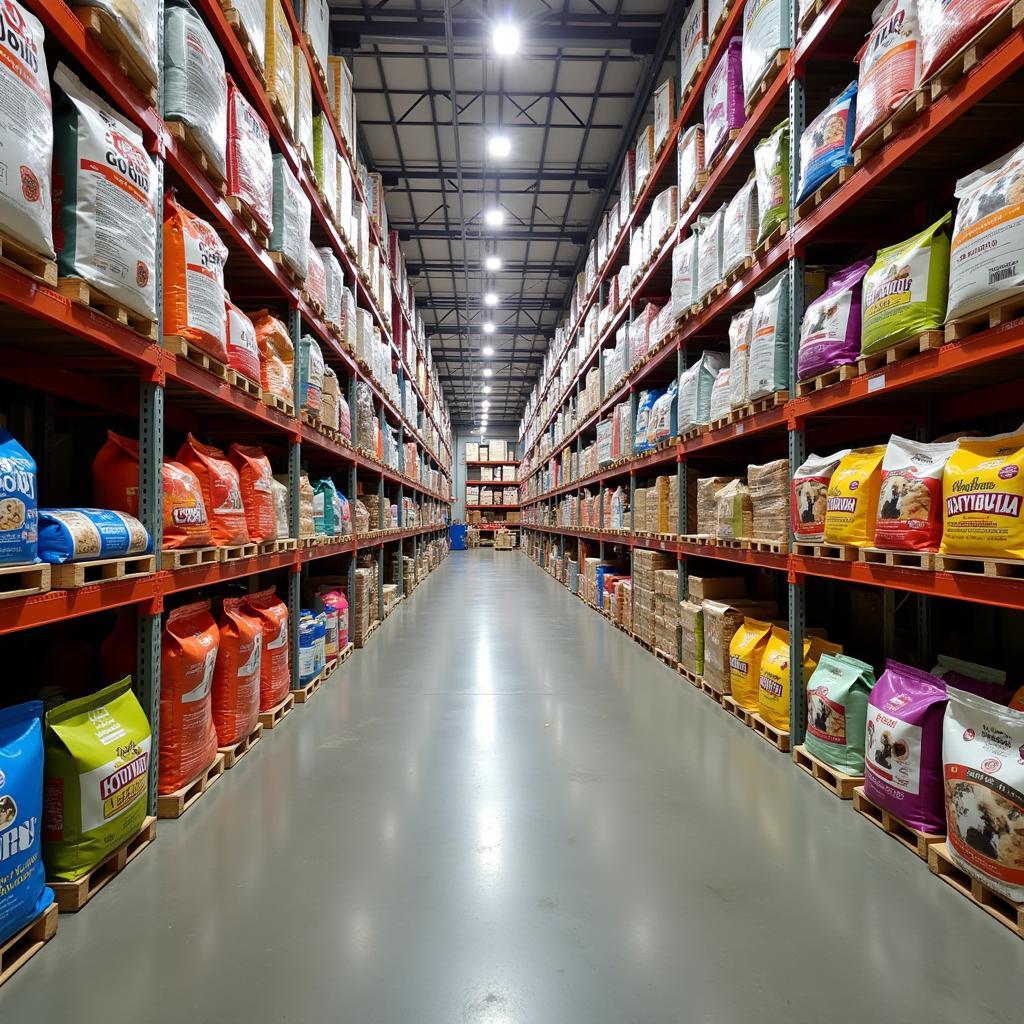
x: 459, y: 469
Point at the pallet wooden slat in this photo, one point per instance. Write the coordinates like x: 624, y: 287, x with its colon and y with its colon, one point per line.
x: 185, y: 134
x: 924, y: 342
x: 836, y: 375
x: 278, y: 403
x: 778, y: 738
x: 913, y: 839
x: 994, y: 315
x: 1006, y: 912
x: 174, y: 805
x: 711, y: 692
x: 22, y: 258
x: 239, y: 749
x: 23, y: 945
x: 737, y: 710
x: 109, y: 34
x: 276, y: 715
x: 182, y: 558
x: 232, y: 552
x: 82, y: 293
x: 194, y: 354
x: 303, y: 693
x: 72, y: 575
x: 24, y: 580
x: 835, y: 781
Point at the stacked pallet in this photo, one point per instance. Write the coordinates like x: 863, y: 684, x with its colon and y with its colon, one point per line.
x: 666, y: 612
x: 645, y: 565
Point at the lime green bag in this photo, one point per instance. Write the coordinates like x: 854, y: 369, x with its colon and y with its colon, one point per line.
x: 96, y: 778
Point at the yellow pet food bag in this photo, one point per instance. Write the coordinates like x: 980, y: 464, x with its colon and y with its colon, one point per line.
x: 280, y: 63
x: 745, y: 652
x: 982, y: 492
x: 851, y: 507
x: 773, y: 680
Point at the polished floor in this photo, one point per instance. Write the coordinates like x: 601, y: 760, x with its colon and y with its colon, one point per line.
x: 505, y: 812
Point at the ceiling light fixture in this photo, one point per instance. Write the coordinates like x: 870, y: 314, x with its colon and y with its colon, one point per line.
x: 485, y: 404
x: 488, y: 350
x: 505, y: 39
x: 499, y: 145
x: 494, y: 217
x: 488, y: 372
x: 490, y: 299
x: 492, y: 263
x: 488, y: 328
x: 487, y: 389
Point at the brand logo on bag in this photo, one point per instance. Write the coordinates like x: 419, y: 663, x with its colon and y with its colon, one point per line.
x: 994, y: 504
x: 1008, y: 472
x: 839, y: 504
x: 15, y: 36
x: 991, y: 765
x: 969, y: 735
x: 124, y: 775
x: 19, y: 838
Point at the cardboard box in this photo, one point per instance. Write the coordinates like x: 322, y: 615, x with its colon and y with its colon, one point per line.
x: 714, y: 588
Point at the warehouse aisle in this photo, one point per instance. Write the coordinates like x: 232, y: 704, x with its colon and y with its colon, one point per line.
x: 505, y: 811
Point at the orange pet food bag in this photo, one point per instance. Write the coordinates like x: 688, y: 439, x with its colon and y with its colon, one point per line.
x: 255, y: 476
x: 277, y: 355
x: 275, y: 666
x: 188, y: 739
x: 222, y: 491
x: 236, y: 676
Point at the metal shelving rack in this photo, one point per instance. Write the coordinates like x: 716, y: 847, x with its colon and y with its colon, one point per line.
x: 478, y: 464
x: 162, y: 377
x: 980, y: 360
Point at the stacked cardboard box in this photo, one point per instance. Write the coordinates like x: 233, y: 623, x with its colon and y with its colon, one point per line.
x: 707, y: 510
x: 645, y: 565
x: 666, y: 612
x: 472, y: 451
x: 769, y: 494
x: 640, y: 510
x: 363, y: 605
x: 721, y: 620
x: 498, y: 451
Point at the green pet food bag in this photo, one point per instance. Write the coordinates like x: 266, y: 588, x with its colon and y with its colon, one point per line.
x: 771, y: 163
x: 837, y: 709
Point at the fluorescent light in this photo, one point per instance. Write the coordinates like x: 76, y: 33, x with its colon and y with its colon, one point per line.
x: 487, y: 389
x: 488, y: 350
x: 490, y: 299
x: 488, y: 329
x: 499, y: 145
x: 495, y: 217
x: 488, y: 372
x: 505, y: 39
x: 485, y: 404
x: 492, y: 263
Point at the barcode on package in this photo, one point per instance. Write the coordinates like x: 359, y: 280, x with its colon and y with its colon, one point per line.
x: 1002, y: 273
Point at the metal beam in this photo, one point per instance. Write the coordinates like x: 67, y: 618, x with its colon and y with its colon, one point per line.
x: 517, y: 269
x: 518, y: 93
x: 473, y: 301
x: 595, y: 177
x: 407, y: 232
x: 453, y: 329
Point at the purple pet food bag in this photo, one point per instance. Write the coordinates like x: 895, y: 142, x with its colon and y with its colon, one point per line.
x: 903, y: 746
x: 830, y: 335
x: 723, y: 99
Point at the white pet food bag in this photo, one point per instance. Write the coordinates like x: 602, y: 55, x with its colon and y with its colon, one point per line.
x: 335, y: 283
x: 695, y: 386
x: 721, y: 404
x: 684, y: 276
x: 107, y: 201
x: 689, y: 162
x: 316, y: 25
x: 739, y: 228
x: 986, y: 254
x: 195, y: 86
x: 768, y: 360
x: 765, y: 32
x: 26, y: 131
x: 709, y: 251
x: 692, y: 44
x: 292, y: 211
x: 739, y: 350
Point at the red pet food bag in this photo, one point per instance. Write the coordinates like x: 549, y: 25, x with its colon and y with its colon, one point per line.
x: 275, y: 666
x: 236, y: 676
x: 222, y: 491
x: 249, y: 160
x: 910, y: 499
x: 948, y: 25
x: 243, y: 351
x: 255, y: 476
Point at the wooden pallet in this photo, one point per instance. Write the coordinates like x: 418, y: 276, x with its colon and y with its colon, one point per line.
x: 985, y: 319
x: 19, y: 256
x: 72, y: 896
x: 810, y: 13
x: 314, y: 304
x: 190, y: 141
x: 838, y: 552
x: 830, y: 185
x: 737, y: 710
x: 72, y: 575
x: 1005, y: 911
x: 691, y: 677
x: 723, y: 16
x: 1004, y: 568
x: 925, y: 342
x: 234, y: 551
x: 661, y: 655
x: 775, y: 547
x: 305, y: 692
x: 711, y: 692
x: 194, y: 354
x: 276, y: 715
x: 24, y: 580
x: 907, y: 111
x: 698, y: 186
x: 80, y: 292
x: 914, y: 840
x: 270, y: 547
x: 778, y: 738
x: 252, y: 52
x: 182, y: 558
x: 771, y: 240
x: 836, y: 782
x: 723, y: 148
x: 317, y: 66
x: 769, y: 76
x: 278, y: 403
x: 109, y: 34
x: 174, y: 805
x: 240, y: 381
x: 23, y: 945
x: 836, y: 375
x: 898, y: 559
x: 240, y: 748
x: 735, y: 273
x: 287, y: 269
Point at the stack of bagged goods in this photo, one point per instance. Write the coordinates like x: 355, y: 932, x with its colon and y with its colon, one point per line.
x: 19, y: 509
x: 249, y: 167
x: 768, y: 354
x: 85, y: 534
x: 362, y: 613
x: 645, y: 566
x: 707, y: 507
x: 722, y: 618
x: 837, y: 700
x: 831, y: 328
x: 235, y: 692
x: 827, y: 142
x: 851, y: 508
x: 275, y: 678
x: 221, y: 489
x: 769, y: 495
x: 666, y: 612
x: 243, y: 349
x: 771, y: 168
x: 766, y: 31
x: 256, y: 480
x: 809, y: 496
x: 691, y: 636
x: 291, y: 216
x: 733, y: 511
x: 277, y: 356
x: 910, y: 494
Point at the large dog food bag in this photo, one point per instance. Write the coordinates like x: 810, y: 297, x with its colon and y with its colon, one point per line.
x: 809, y: 499
x: 734, y: 511
x: 243, y: 350
x: 851, y: 507
x: 194, y: 258
x: 22, y: 878
x: 723, y: 99
x: 768, y: 358
x: 316, y: 279
x: 721, y: 404
x: 905, y: 289
x: 335, y: 282
x: 26, y: 130
x: 695, y: 385
x: 890, y: 65
x: 827, y: 142
x: 985, y: 254
x: 644, y: 408
x: 312, y: 368
x: 292, y: 209
x: 222, y: 491
x: 684, y: 276
x: 249, y: 162
x: 303, y: 101
x: 739, y: 350
x: 689, y: 162
x: 277, y: 355
x: 771, y: 167
x: 19, y: 503
x: 325, y: 160
x: 746, y: 650
x: 235, y: 693
x: 910, y: 500
x: 692, y: 43
x: 983, y: 768
x: 982, y: 492
x: 946, y: 27
x: 96, y: 788
x: 253, y: 15
x: 107, y: 198
x: 709, y: 251
x: 903, y: 746
x: 139, y: 22
x: 766, y: 30
x: 316, y: 26
x: 830, y: 333
x: 280, y: 64
x: 275, y: 671
x: 837, y: 699
x: 195, y: 86
x: 740, y: 227
x: 981, y: 680
x: 255, y: 476
x: 81, y: 534
x: 773, y: 680
x: 188, y: 657
x: 279, y: 492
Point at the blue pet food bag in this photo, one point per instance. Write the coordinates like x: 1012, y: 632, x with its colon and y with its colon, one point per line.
x: 827, y: 142
x: 82, y: 534
x: 307, y: 647
x: 19, y: 504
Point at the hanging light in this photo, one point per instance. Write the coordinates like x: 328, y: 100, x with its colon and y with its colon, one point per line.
x: 488, y: 329
x: 487, y: 389
x: 494, y: 217
x: 505, y: 39
x: 488, y: 372
x: 499, y: 146
x: 490, y: 299
x: 492, y: 263
x: 488, y: 350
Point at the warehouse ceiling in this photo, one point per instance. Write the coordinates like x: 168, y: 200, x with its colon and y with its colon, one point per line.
x: 430, y: 93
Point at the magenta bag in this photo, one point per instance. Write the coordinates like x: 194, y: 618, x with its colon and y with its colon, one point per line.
x: 903, y: 746
x: 830, y: 334
x: 723, y: 99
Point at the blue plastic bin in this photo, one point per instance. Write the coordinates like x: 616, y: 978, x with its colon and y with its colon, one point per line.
x: 457, y: 535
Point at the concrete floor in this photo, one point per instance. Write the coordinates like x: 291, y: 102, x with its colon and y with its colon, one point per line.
x: 504, y: 811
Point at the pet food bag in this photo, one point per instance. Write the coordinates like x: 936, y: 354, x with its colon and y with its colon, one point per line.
x: 773, y: 680
x: 325, y: 160
x: 903, y: 746
x: 827, y: 142
x: 734, y: 511
x: 249, y: 161
x: 336, y: 600
x: 26, y: 131
x: 96, y: 785
x: 253, y: 15
x: 981, y: 680
x: 275, y: 671
x: 312, y: 369
x: 690, y: 162
x: 662, y: 423
x: 307, y: 648
x: 946, y: 27
x: 316, y: 27
x: 771, y: 169
x: 306, y: 527
x: 82, y: 534
x: 279, y: 494
x: 291, y: 216
x: 905, y: 289
x: 739, y: 228
x: 809, y: 498
x: 327, y: 513
x: 243, y: 351
x: 332, y: 393
x: 644, y: 407
x: 684, y: 276
x: 222, y: 491
x: 768, y: 358
x: 830, y: 333
x: 335, y: 283
x: 746, y: 650
x: 255, y: 477
x: 695, y: 385
x: 721, y: 394
x: 194, y: 258
x: 890, y: 65
x: 22, y: 878
x: 188, y: 657
x: 985, y: 254
x: 910, y: 499
x: 837, y: 704
x: 195, y: 86
x: 19, y: 505
x: 139, y: 25
x: 739, y: 349
x: 766, y: 31
x: 851, y: 507
x: 106, y: 199
x: 277, y: 355
x: 235, y: 694
x: 983, y: 769
x: 709, y: 251
x: 303, y: 103
x: 280, y: 64
x: 693, y: 36
x: 723, y: 99
x: 982, y: 492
